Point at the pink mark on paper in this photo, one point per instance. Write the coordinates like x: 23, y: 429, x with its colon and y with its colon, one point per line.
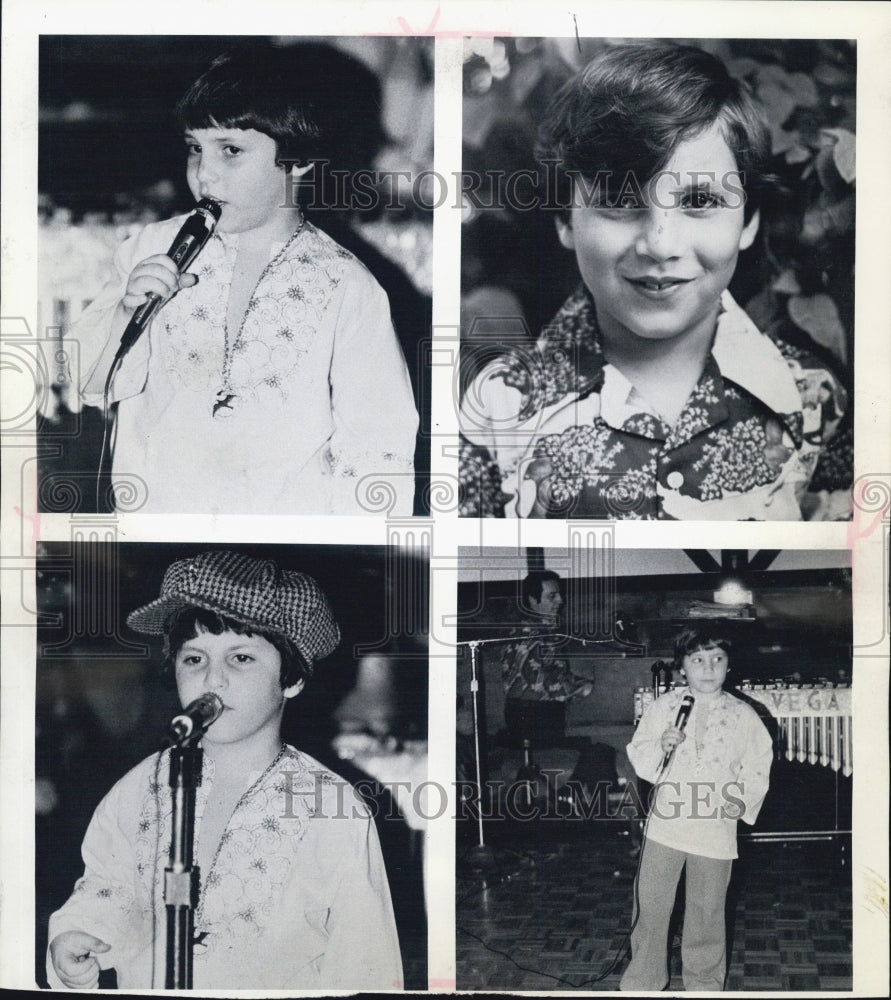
x: 442, y: 984
x: 35, y: 522
x: 855, y: 525
x: 431, y: 31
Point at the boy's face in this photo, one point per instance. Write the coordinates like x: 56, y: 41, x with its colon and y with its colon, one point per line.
x: 237, y: 168
x: 706, y: 669
x: 657, y: 272
x: 244, y: 671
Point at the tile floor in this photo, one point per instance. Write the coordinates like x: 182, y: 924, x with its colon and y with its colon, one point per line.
x: 552, y: 910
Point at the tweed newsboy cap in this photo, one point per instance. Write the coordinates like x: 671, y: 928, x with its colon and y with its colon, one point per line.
x: 250, y: 591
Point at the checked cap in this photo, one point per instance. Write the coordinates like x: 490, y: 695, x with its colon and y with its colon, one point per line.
x: 250, y: 591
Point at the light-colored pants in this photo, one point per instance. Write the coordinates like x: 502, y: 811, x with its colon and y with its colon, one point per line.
x: 704, y: 945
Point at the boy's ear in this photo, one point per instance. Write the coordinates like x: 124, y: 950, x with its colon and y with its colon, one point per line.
x: 750, y: 230
x: 565, y: 233
x: 294, y: 689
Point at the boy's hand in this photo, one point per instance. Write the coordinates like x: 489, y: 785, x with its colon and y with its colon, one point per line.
x: 73, y: 961
x: 154, y: 275
x: 671, y: 738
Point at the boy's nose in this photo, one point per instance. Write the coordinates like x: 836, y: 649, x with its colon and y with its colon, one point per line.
x: 214, y: 674
x: 657, y: 236
x: 204, y: 171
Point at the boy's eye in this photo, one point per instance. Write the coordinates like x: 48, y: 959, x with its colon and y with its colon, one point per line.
x: 190, y: 660
x: 701, y: 198
x: 232, y: 150
x: 192, y: 148
x: 243, y: 658
x: 621, y: 203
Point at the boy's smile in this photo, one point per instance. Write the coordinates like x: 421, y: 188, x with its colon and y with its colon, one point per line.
x: 656, y: 266
x: 237, y: 168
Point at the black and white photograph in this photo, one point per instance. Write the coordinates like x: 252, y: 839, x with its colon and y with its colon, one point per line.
x: 628, y: 715
x: 223, y: 742
x: 445, y: 511
x: 234, y: 274
x: 657, y: 303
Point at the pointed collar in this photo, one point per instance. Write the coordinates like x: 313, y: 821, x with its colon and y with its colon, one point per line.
x: 568, y: 360
x: 751, y: 360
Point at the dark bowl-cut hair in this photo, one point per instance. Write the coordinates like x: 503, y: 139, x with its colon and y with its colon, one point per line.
x: 256, y: 86
x: 189, y: 622
x: 695, y: 638
x: 628, y: 110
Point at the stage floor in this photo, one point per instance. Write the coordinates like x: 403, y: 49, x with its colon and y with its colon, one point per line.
x: 553, y: 912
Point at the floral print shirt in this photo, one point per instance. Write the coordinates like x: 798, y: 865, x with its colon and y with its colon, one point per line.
x: 710, y: 784
x: 532, y: 669
x: 554, y: 430
x: 296, y: 897
x: 306, y: 409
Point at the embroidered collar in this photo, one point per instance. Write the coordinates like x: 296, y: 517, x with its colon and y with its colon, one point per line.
x: 568, y: 360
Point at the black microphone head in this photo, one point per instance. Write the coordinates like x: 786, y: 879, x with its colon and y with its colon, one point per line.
x: 686, y: 707
x: 211, y: 206
x: 202, y: 220
x: 196, y: 231
x: 198, y: 714
x: 209, y: 706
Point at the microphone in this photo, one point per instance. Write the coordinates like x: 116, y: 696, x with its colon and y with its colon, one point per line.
x: 189, y: 242
x: 201, y: 713
x: 680, y: 723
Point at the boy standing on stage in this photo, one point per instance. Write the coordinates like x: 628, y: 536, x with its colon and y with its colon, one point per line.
x: 717, y: 772
x: 293, y: 891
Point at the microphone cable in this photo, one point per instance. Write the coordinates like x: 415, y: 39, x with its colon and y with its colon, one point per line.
x: 190, y: 241
x: 107, y: 419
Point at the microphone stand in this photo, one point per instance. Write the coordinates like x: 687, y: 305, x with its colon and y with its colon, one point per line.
x: 181, y: 877
x: 483, y: 855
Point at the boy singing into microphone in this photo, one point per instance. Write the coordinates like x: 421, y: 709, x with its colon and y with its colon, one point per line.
x: 293, y: 893
x: 271, y: 380
x: 711, y: 768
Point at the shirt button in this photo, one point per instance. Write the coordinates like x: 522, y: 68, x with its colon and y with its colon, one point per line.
x: 675, y: 480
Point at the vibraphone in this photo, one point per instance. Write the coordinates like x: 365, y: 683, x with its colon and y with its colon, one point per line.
x: 814, y: 720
